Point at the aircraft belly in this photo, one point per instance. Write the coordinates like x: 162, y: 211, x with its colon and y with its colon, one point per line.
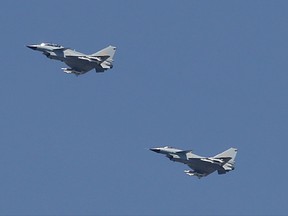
x: 200, y: 166
x: 79, y: 65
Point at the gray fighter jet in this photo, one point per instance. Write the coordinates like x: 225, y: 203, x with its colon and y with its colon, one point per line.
x: 79, y: 63
x: 201, y: 166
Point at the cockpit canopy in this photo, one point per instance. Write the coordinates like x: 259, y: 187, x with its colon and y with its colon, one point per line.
x: 50, y: 44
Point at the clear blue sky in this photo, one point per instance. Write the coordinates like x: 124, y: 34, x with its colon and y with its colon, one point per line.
x: 201, y: 75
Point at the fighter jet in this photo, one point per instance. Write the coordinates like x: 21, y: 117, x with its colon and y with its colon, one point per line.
x: 79, y: 63
x: 201, y: 166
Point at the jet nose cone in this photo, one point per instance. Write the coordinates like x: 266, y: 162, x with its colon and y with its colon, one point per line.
x: 32, y: 47
x: 155, y: 150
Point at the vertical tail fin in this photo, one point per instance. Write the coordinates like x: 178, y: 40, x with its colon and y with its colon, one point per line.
x: 106, y: 52
x: 230, y: 154
x: 106, y: 58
